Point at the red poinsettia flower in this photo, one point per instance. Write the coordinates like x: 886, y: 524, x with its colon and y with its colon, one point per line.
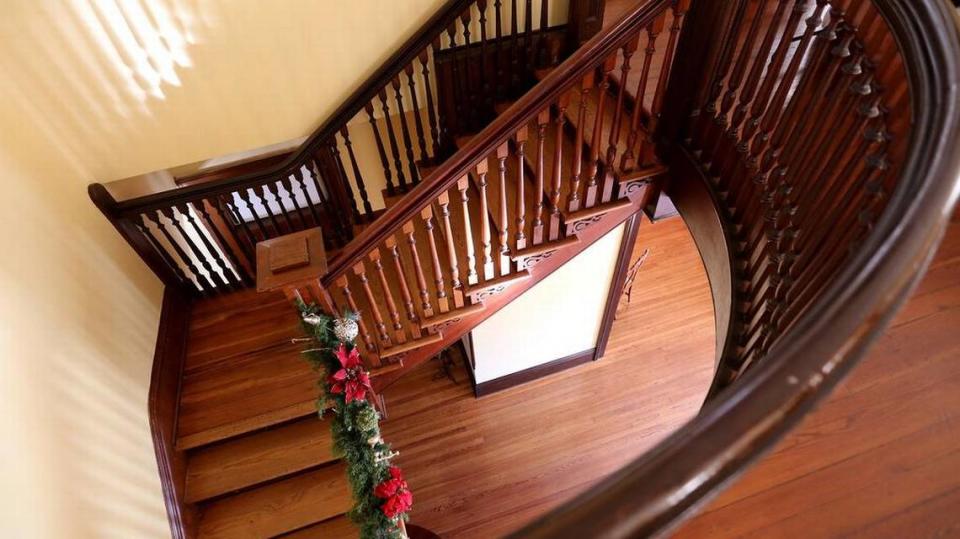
x: 396, y: 493
x: 351, y: 378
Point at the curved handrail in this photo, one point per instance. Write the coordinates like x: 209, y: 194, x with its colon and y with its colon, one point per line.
x: 652, y: 494
x: 484, y: 143
x: 367, y: 91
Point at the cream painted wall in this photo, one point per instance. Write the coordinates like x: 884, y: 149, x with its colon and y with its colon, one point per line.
x: 558, y: 317
x: 91, y: 91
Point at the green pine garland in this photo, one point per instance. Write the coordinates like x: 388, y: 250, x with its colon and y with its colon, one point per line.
x: 354, y: 426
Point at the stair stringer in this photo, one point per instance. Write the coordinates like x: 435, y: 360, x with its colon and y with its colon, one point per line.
x: 456, y: 330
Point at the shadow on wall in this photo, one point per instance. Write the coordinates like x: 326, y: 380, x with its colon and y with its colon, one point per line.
x: 90, y: 72
x: 78, y: 318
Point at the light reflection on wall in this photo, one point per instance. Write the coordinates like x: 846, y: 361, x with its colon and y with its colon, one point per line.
x: 78, y: 315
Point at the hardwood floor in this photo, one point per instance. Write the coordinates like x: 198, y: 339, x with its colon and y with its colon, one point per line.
x: 481, y: 468
x: 881, y: 458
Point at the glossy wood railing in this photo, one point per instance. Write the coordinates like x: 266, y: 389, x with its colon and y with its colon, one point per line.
x: 824, y: 133
x: 202, y: 237
x: 553, y: 163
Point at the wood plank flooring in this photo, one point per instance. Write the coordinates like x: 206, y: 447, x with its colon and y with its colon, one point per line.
x: 881, y: 458
x: 481, y: 468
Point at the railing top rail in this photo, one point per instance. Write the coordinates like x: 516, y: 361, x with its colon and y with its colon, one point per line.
x: 405, y: 54
x: 651, y: 495
x: 486, y: 142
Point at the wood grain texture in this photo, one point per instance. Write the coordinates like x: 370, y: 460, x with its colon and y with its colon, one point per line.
x: 280, y: 507
x: 480, y: 468
x: 258, y: 457
x: 239, y: 350
x: 881, y: 458
x: 336, y: 528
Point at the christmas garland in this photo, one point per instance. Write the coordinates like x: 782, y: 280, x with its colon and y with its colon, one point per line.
x: 381, y: 496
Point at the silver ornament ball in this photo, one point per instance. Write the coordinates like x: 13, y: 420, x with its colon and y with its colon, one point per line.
x: 345, y: 329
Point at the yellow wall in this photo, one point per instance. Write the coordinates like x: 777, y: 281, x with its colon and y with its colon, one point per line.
x: 79, y: 311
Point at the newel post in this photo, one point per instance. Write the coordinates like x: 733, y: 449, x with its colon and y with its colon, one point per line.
x: 295, y: 264
x: 136, y: 237
x: 585, y: 20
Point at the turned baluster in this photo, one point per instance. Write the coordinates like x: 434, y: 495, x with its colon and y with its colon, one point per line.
x: 354, y: 166
x: 469, y: 85
x: 249, y: 240
x: 562, y: 104
x: 615, y: 128
x: 573, y: 201
x: 521, y: 140
x: 529, y: 50
x: 205, y: 287
x: 431, y: 110
x: 266, y: 197
x: 595, y: 139
x: 488, y: 269
x: 498, y: 55
x: 360, y: 270
x: 442, y: 301
x: 405, y: 131
x: 391, y: 243
x: 542, y: 120
x: 247, y: 203
x: 444, y: 202
x: 191, y: 258
x: 146, y: 226
x: 679, y: 10
x: 399, y: 334
x: 392, y: 138
x: 628, y: 160
x: 542, y: 40
x: 387, y: 174
x: 425, y: 306
x: 460, y: 115
x: 226, y: 237
x: 503, y: 151
x: 291, y: 197
x: 344, y: 285
x: 299, y: 176
x: 514, y: 49
x: 417, y: 121
x: 211, y: 253
x: 462, y: 185
x: 484, y: 76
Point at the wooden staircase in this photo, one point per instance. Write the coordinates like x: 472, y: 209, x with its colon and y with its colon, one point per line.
x: 812, y: 147
x: 259, y: 463
x: 481, y: 203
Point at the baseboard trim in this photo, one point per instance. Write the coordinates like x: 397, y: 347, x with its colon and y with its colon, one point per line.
x: 534, y: 373
x: 163, y: 401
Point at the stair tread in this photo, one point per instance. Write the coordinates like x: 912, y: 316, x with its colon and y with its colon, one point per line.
x: 452, y: 315
x: 275, y: 385
x: 279, y: 507
x: 599, y: 209
x: 506, y: 279
x: 225, y: 327
x: 546, y: 247
x: 430, y: 338
x: 336, y: 528
x: 256, y: 458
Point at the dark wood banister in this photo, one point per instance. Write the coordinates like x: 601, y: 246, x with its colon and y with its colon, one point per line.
x: 406, y: 53
x: 484, y: 143
x: 651, y: 495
